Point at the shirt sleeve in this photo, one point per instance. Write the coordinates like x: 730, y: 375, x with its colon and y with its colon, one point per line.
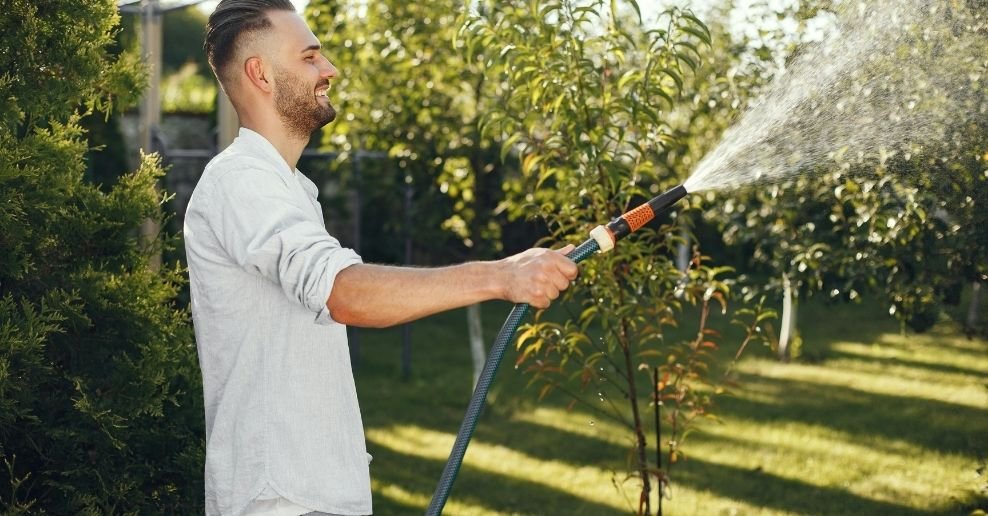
x: 262, y: 227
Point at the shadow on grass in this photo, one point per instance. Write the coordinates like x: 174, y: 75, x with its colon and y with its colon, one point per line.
x: 543, y: 442
x: 765, y: 490
x: 935, y: 425
x: 499, y: 494
x: 491, y: 492
x: 836, y: 354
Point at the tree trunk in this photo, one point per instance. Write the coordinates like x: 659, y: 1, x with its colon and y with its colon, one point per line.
x: 641, y: 444
x: 476, y: 340
x: 788, y: 332
x: 973, y: 309
x: 683, y: 251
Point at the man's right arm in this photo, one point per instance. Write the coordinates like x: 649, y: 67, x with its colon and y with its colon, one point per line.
x: 379, y: 296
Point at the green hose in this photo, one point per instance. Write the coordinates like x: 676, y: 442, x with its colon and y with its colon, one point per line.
x: 504, y: 337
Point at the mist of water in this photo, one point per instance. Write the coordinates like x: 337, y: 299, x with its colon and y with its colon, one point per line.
x: 893, y: 77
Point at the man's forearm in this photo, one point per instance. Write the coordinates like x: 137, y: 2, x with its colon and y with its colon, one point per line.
x: 379, y: 296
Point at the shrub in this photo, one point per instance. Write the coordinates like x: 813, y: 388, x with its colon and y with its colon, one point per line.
x: 100, y: 404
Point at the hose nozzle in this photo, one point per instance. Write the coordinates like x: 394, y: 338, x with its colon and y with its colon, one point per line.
x: 620, y: 227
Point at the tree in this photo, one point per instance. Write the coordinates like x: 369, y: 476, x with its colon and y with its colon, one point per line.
x: 588, y: 96
x: 100, y: 407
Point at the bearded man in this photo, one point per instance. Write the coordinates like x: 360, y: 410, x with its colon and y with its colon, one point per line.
x: 272, y: 291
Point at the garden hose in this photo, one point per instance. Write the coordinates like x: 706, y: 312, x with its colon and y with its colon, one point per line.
x: 602, y: 238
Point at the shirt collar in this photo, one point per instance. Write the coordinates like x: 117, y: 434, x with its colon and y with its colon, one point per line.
x: 259, y: 144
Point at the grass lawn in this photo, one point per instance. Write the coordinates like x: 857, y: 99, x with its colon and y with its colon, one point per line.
x: 870, y: 422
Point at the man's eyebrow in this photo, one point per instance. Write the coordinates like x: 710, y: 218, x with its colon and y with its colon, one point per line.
x: 311, y: 47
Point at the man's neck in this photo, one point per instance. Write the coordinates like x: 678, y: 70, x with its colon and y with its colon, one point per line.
x: 290, y: 147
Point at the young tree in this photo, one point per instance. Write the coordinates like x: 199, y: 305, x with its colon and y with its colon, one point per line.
x: 588, y: 96
x: 100, y: 404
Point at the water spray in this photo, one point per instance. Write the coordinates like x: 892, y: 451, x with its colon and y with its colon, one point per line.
x: 602, y: 239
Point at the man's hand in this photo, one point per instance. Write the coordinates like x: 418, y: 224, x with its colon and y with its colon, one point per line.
x: 537, y: 276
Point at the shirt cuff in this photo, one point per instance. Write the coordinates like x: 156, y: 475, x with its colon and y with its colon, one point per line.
x: 324, y: 317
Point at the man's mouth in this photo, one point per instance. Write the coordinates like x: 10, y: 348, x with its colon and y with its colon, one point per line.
x: 323, y: 92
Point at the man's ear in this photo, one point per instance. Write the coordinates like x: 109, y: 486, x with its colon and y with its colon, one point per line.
x: 258, y: 74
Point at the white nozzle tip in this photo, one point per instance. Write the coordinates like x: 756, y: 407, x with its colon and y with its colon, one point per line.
x: 603, y: 237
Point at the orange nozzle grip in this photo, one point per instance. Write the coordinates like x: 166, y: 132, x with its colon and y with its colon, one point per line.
x: 638, y: 217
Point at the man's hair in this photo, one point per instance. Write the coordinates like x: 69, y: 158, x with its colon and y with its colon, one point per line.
x: 231, y: 22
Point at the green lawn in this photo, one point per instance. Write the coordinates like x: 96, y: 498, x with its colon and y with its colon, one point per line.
x: 871, y: 422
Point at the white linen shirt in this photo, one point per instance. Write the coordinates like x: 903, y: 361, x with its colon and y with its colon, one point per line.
x: 281, y: 407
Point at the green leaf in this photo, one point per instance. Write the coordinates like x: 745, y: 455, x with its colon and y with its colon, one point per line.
x: 508, y: 145
x: 638, y: 11
x: 692, y: 63
x: 674, y: 75
x: 703, y: 33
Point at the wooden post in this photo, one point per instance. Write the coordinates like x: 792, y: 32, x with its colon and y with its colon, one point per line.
x: 150, y: 111
x: 151, y: 49
x: 228, y: 121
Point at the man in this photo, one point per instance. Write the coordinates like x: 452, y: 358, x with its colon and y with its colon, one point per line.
x: 272, y: 291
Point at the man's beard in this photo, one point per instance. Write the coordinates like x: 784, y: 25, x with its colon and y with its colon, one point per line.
x: 297, y: 105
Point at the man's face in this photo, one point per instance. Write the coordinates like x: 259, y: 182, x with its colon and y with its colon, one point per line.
x: 301, y: 102
x: 301, y: 76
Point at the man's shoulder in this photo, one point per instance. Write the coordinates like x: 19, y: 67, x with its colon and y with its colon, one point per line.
x: 233, y: 160
x: 229, y: 168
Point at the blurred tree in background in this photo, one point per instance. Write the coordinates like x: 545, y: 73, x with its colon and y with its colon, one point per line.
x: 100, y: 403
x: 902, y: 225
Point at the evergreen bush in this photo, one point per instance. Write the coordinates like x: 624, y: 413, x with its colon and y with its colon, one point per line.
x: 100, y: 404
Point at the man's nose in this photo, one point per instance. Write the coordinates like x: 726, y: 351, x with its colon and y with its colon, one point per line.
x: 329, y: 71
